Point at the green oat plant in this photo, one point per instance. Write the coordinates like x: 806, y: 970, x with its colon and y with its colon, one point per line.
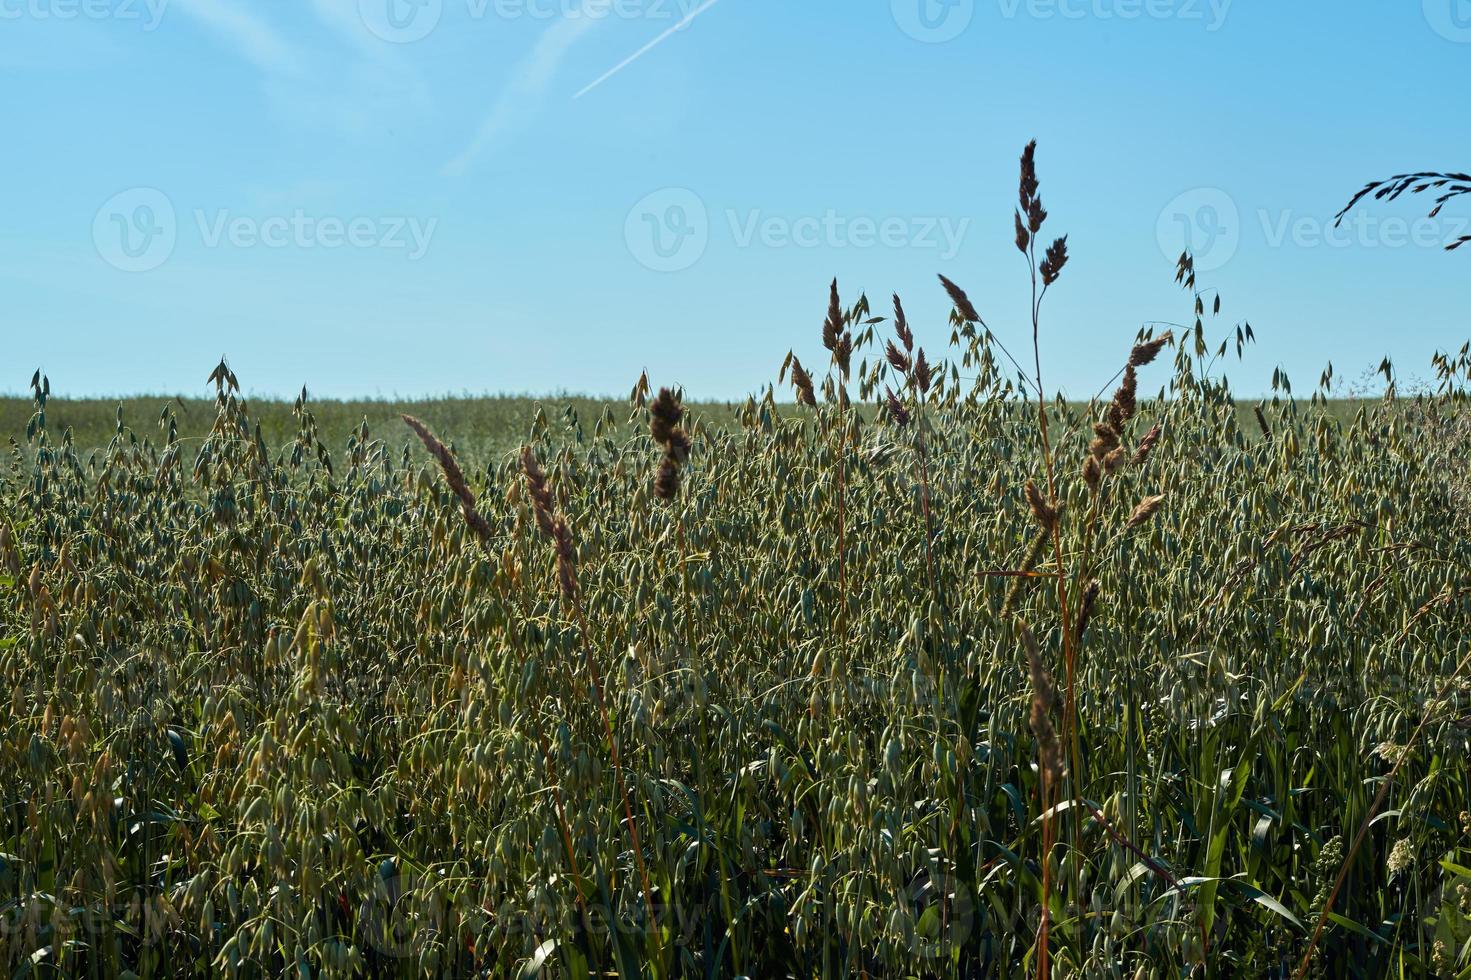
x: 928, y: 673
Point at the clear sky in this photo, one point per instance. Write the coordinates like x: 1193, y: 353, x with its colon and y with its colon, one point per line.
x: 380, y: 197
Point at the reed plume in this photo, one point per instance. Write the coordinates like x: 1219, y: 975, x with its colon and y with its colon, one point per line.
x: 453, y: 476
x: 664, y: 417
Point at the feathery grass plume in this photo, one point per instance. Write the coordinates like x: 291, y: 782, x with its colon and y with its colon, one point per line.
x: 1092, y: 472
x: 541, y: 494
x: 1045, y: 513
x: 1105, y: 440
x: 664, y: 417
x: 1054, y: 260
x: 962, y: 302
x: 897, y: 411
x: 901, y: 326
x: 1125, y: 400
x: 1261, y: 422
x: 1114, y: 460
x: 1023, y: 236
x: 1029, y: 175
x: 1147, y: 444
x: 1146, y: 351
x: 802, y: 382
x: 1085, y: 611
x: 566, y: 559
x: 832, y: 326
x: 835, y: 335
x: 898, y: 360
x: 1044, y: 696
x: 1147, y: 508
x: 453, y: 476
x: 922, y: 375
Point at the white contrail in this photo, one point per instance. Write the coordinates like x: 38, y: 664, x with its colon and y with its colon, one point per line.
x: 646, y: 48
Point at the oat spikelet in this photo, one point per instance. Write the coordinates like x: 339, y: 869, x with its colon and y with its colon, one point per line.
x: 1147, y: 508
x: 453, y: 475
x: 962, y: 302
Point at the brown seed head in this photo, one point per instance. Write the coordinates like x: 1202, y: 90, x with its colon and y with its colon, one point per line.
x: 566, y: 559
x: 1053, y: 262
x: 1147, y: 351
x: 802, y: 381
x: 1085, y: 614
x: 1125, y: 400
x: 1147, y: 508
x: 901, y: 325
x: 664, y: 416
x: 1092, y: 472
x: 897, y: 358
x: 453, y: 475
x: 832, y: 327
x: 541, y: 495
x: 962, y: 302
x: 1147, y: 444
x: 897, y: 411
x: 1023, y: 235
x: 922, y: 372
x: 1029, y: 174
x: 666, y: 483
x: 1105, y: 440
x: 1044, y: 513
x: 1044, y: 695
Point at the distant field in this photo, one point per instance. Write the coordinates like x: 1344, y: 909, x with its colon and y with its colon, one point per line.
x: 479, y: 427
x: 476, y: 426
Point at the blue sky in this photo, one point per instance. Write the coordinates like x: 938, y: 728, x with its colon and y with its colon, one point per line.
x: 380, y: 197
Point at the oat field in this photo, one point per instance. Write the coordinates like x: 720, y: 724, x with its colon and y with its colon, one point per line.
x: 892, y: 671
